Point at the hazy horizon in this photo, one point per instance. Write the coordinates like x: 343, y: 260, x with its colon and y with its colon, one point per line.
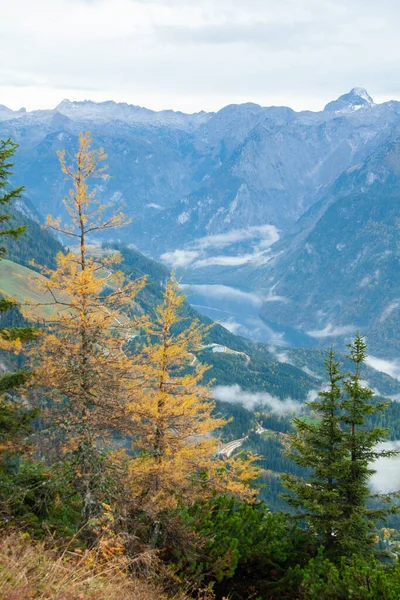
x: 192, y: 56
x: 47, y: 105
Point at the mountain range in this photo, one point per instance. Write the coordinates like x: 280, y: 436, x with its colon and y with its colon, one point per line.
x: 299, y: 209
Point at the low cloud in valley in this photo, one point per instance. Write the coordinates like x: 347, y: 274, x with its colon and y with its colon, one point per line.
x: 390, y: 367
x: 332, y: 330
x: 253, y: 400
x: 254, y: 246
x: 224, y: 292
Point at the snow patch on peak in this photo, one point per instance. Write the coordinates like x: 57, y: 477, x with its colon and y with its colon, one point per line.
x: 354, y: 100
x: 129, y: 113
x: 362, y: 93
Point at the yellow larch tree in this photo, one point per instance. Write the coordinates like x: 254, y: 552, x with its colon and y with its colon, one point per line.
x: 81, y: 368
x: 176, y: 442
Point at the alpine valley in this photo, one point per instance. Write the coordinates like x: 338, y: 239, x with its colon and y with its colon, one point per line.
x: 286, y: 222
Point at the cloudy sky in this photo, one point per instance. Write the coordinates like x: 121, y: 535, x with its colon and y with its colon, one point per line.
x: 197, y: 54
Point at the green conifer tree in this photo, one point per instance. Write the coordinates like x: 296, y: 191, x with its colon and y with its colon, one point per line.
x: 317, y: 446
x: 337, y: 451
x: 7, y: 151
x: 361, y: 443
x: 12, y: 420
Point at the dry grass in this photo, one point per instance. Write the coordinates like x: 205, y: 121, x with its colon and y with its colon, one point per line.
x: 30, y: 571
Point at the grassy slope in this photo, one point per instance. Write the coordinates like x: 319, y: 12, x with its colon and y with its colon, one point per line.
x: 23, y: 284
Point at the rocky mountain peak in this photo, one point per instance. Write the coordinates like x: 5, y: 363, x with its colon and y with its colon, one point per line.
x: 357, y: 98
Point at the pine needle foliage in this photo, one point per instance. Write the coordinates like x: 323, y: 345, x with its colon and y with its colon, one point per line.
x: 14, y: 421
x: 7, y: 195
x: 318, y: 447
x: 337, y: 452
x: 10, y: 339
x: 362, y: 446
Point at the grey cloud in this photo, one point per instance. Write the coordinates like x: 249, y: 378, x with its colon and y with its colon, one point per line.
x: 184, y: 54
x: 227, y: 261
x: 280, y: 355
x: 311, y: 373
x: 232, y: 326
x: 276, y: 36
x: 179, y: 258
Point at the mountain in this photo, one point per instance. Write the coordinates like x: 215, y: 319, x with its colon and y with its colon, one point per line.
x: 110, y: 111
x: 338, y: 273
x: 354, y: 100
x: 186, y: 178
x: 299, y: 209
x: 272, y: 166
x: 283, y: 373
x: 236, y: 361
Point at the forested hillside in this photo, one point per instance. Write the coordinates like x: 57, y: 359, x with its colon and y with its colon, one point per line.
x: 237, y: 362
x: 36, y: 246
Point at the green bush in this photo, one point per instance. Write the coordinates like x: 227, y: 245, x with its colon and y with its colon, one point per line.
x: 241, y: 547
x: 356, y: 579
x: 38, y: 499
